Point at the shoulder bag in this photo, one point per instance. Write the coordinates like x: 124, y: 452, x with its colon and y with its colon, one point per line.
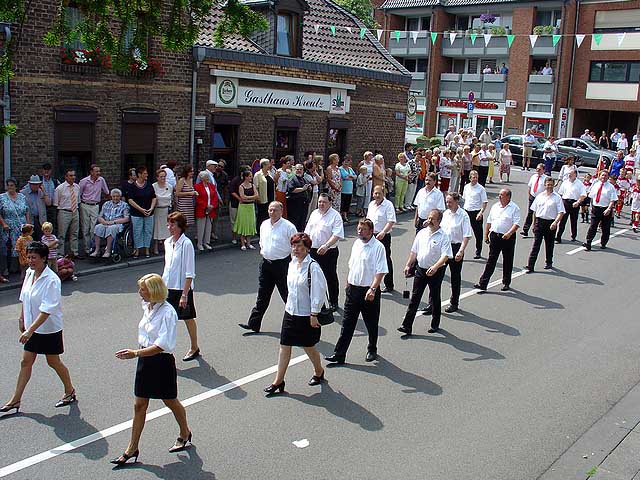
x: 325, y: 317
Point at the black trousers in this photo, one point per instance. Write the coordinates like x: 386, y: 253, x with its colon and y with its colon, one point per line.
x: 420, y: 283
x: 329, y: 265
x: 456, y: 276
x: 498, y: 245
x: 542, y: 231
x: 297, y: 213
x: 529, y: 219
x: 598, y: 217
x: 476, y: 226
x: 354, y: 305
x: 388, y: 278
x: 272, y: 274
x: 483, y: 172
x: 464, y: 178
x: 571, y: 213
x: 263, y: 214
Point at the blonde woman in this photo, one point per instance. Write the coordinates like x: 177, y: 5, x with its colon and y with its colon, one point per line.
x: 402, y: 181
x: 456, y: 170
x: 491, y: 157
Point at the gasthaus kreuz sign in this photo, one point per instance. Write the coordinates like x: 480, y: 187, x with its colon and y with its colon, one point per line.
x: 227, y: 93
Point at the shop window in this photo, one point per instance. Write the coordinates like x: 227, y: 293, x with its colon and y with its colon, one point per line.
x: 538, y: 126
x: 445, y: 121
x: 225, y: 146
x: 287, y: 34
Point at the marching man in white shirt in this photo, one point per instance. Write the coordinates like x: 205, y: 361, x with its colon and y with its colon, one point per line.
x: 431, y: 250
x: 275, y: 248
x: 573, y: 193
x: 325, y: 228
x: 367, y: 266
x: 428, y: 198
x: 475, y: 203
x: 500, y: 233
x: 383, y: 216
x: 535, y: 188
x: 549, y: 210
x: 603, y: 198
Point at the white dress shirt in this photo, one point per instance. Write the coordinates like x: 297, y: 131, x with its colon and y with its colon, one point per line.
x: 171, y: 177
x: 474, y: 196
x: 299, y: 301
x: 536, y: 189
x: 565, y: 170
x: 179, y: 262
x: 427, y: 201
x: 44, y: 296
x: 572, y: 190
x: 158, y: 326
x: 366, y: 261
x: 381, y: 214
x: 275, y: 239
x: 457, y: 225
x: 322, y: 227
x: 503, y: 218
x: 548, y: 207
x: 607, y: 195
x: 429, y: 248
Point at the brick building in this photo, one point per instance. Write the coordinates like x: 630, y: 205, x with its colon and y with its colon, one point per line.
x: 592, y: 86
x: 291, y: 89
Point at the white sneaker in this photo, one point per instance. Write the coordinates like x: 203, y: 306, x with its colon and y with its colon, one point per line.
x: 94, y: 254
x: 200, y: 248
x: 107, y: 254
x: 243, y: 248
x: 234, y: 242
x: 251, y: 247
x: 208, y: 247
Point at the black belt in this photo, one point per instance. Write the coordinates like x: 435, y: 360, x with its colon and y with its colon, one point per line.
x: 67, y: 210
x: 89, y: 203
x: 285, y: 259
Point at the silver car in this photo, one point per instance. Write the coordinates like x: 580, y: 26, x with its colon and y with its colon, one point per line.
x: 588, y: 150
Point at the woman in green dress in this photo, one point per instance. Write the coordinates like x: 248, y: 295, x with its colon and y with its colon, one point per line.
x: 245, y: 224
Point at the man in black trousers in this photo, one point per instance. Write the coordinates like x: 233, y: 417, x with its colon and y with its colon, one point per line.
x: 275, y: 248
x: 383, y: 215
x: 367, y: 266
x: 573, y: 193
x: 603, y: 199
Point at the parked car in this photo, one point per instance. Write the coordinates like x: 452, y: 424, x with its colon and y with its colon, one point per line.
x: 587, y: 149
x: 515, y: 145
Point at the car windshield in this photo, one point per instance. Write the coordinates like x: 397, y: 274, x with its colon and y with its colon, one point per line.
x: 540, y: 141
x: 591, y: 143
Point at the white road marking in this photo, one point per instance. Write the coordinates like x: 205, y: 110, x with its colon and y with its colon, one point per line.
x: 580, y: 249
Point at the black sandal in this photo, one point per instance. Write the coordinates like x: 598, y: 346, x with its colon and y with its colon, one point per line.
x: 180, y: 444
x: 124, y: 458
x: 67, y: 400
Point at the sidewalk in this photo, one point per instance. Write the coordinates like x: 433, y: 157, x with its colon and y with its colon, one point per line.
x: 609, y: 450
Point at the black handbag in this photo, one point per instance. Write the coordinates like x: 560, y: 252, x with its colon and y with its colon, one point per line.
x: 325, y: 316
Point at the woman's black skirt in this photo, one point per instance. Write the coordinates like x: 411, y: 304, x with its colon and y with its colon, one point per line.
x: 45, y: 343
x: 156, y: 377
x: 298, y: 332
x: 186, y: 313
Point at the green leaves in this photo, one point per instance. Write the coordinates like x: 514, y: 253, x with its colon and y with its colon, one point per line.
x: 363, y: 9
x: 238, y: 19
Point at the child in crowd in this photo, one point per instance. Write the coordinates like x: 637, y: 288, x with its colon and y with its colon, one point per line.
x: 613, y: 180
x: 23, y: 241
x: 51, y: 241
x: 623, y: 185
x: 635, y: 205
x: 584, y: 208
x: 66, y: 268
x: 361, y: 190
x: 631, y: 183
x: 388, y: 183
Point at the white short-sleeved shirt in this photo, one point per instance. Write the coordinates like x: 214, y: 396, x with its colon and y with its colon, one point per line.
x: 381, y: 214
x: 572, y: 190
x: 536, y: 184
x: 275, y: 238
x: 158, y: 326
x: 431, y: 247
x: 565, y: 170
x: 321, y: 227
x: 44, y: 296
x: 457, y: 225
x: 502, y: 218
x: 635, y: 198
x: 300, y: 301
x: 179, y: 262
x: 548, y: 207
x: 607, y: 195
x: 474, y: 196
x: 366, y: 261
x: 427, y: 201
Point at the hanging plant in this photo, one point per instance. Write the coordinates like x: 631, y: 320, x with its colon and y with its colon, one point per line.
x: 487, y: 18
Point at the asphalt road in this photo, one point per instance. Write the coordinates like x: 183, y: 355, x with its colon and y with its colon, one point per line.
x: 510, y: 382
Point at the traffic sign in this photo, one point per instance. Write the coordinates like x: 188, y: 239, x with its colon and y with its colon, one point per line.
x: 472, y: 96
x: 470, y: 107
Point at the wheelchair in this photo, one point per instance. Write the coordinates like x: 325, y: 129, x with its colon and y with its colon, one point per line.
x: 122, y: 245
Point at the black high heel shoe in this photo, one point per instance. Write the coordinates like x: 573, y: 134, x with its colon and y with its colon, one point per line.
x: 10, y: 406
x: 180, y: 444
x: 273, y: 389
x: 124, y: 458
x: 316, y: 380
x: 67, y: 400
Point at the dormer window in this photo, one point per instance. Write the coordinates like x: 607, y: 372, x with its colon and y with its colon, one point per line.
x: 287, y: 34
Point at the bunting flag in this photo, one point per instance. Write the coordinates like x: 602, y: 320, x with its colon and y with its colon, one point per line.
x: 414, y: 36
x: 533, y: 39
x: 473, y: 38
x: 597, y: 37
x: 317, y: 27
x: 579, y: 39
x: 452, y: 37
x: 620, y: 38
x: 379, y: 34
x: 363, y: 32
x: 333, y: 30
x: 434, y: 36
x: 556, y: 39
x: 510, y: 39
x: 487, y: 39
x: 348, y: 29
x: 397, y: 35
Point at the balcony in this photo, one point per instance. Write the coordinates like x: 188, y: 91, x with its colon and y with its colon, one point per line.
x: 418, y: 82
x: 406, y: 47
x: 540, y: 89
x: 463, y: 47
x: 544, y: 47
x: 485, y: 87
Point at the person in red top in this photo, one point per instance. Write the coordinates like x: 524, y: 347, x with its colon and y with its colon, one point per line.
x: 584, y: 208
x: 635, y: 205
x: 205, y: 209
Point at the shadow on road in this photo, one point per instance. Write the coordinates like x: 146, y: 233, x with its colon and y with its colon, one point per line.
x: 189, y: 467
x: 207, y: 376
x: 491, y: 325
x: 579, y: 279
x: 443, y: 336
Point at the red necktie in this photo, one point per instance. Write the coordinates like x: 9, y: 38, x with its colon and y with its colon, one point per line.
x: 599, y: 192
x: 535, y: 187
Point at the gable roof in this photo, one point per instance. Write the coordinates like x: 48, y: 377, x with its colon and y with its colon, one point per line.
x: 392, y: 4
x: 232, y: 42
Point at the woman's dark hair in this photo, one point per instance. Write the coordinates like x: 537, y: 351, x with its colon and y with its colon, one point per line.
x: 455, y: 196
x: 186, y: 170
x: 38, y: 248
x: 301, y: 237
x: 179, y: 219
x: 11, y: 180
x: 308, y: 165
x: 141, y: 170
x: 244, y: 174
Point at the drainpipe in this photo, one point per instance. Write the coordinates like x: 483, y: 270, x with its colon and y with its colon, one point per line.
x: 573, y: 62
x: 7, y: 114
x: 198, y: 56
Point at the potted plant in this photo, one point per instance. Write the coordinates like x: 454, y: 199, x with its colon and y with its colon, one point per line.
x: 422, y: 141
x: 547, y: 30
x: 498, y: 30
x: 537, y: 30
x: 435, y: 142
x: 487, y: 18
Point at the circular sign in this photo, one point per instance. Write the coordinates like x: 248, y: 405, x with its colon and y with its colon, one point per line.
x: 227, y: 92
x: 472, y: 96
x: 412, y: 105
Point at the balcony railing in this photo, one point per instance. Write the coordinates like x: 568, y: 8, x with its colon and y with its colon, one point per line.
x: 485, y: 86
x: 463, y: 46
x: 406, y: 47
x: 418, y: 83
x: 540, y: 89
x: 544, y: 47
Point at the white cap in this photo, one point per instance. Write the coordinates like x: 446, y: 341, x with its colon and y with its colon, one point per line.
x: 211, y: 162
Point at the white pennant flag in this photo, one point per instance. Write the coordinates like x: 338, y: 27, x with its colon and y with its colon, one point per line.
x: 533, y: 39
x: 452, y: 37
x: 414, y: 36
x: 579, y: 39
x: 348, y: 29
x: 379, y: 34
x: 620, y: 38
x: 487, y: 38
x: 317, y: 27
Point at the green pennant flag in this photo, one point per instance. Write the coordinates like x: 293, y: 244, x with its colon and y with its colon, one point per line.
x: 597, y: 37
x: 556, y: 39
x: 510, y: 39
x: 434, y: 36
x: 363, y: 31
x: 397, y: 35
x: 473, y: 38
x: 333, y: 30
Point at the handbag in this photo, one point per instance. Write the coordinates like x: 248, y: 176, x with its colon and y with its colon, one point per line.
x: 325, y: 317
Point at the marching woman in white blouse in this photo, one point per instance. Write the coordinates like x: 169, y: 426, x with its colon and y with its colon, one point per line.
x: 40, y: 325
x: 300, y: 326
x: 179, y: 272
x: 156, y: 375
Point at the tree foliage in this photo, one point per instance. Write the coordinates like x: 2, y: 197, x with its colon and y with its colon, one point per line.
x: 363, y: 9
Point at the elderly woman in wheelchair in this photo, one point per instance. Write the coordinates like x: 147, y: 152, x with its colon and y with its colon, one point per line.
x: 113, y: 216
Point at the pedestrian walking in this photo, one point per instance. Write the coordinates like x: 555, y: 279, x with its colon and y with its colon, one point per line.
x: 381, y: 213
x: 573, y: 193
x: 534, y: 188
x: 428, y: 198
x: 92, y: 188
x: 275, y: 248
x: 603, y: 199
x: 475, y: 203
x: 156, y: 375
